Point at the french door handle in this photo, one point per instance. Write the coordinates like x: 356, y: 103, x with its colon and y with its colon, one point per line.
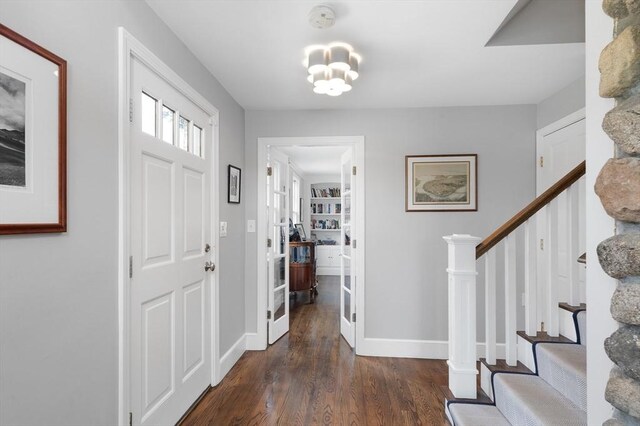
x: 209, y: 266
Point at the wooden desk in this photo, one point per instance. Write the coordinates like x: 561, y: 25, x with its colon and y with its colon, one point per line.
x: 302, y: 268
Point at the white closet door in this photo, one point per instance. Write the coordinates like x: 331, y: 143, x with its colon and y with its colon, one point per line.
x: 561, y: 151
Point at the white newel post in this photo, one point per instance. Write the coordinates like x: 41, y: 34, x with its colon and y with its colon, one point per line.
x: 462, y: 315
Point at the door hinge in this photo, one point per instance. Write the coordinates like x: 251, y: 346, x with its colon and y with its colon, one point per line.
x: 353, y: 317
x: 353, y: 170
x: 130, y: 266
x: 353, y: 243
x: 268, y: 315
x: 269, y: 171
x: 130, y: 419
x: 269, y: 242
x: 541, y: 244
x: 130, y: 110
x: 541, y: 161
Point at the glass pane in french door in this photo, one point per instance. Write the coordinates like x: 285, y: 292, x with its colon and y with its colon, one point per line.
x: 347, y: 306
x: 279, y: 304
x: 346, y: 173
x: 279, y: 272
x: 347, y: 272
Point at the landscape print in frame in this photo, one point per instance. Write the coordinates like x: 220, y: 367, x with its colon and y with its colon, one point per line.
x: 33, y: 117
x: 441, y: 182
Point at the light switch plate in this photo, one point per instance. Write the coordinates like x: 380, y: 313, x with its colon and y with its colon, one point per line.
x: 251, y: 225
x: 223, y: 229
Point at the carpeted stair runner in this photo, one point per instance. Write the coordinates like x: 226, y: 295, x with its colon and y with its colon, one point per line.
x: 555, y: 395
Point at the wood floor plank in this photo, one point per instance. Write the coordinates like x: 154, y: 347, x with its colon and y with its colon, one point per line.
x: 312, y: 376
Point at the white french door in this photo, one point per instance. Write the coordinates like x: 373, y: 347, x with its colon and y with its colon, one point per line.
x: 278, y: 243
x: 171, y: 244
x: 347, y: 261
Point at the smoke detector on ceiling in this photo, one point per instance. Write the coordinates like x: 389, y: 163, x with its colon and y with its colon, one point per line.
x: 322, y: 17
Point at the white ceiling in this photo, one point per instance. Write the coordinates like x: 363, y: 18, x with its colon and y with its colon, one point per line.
x: 415, y: 53
x: 315, y: 160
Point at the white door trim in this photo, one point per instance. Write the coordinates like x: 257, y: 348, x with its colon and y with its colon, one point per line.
x: 129, y: 47
x: 258, y: 341
x: 570, y: 119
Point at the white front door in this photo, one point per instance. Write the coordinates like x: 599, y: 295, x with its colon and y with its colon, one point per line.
x: 171, y: 243
x: 278, y: 243
x: 559, y: 152
x: 347, y: 261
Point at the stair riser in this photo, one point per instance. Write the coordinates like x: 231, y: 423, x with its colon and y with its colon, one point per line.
x: 525, y: 354
x: 567, y: 325
x: 485, y: 381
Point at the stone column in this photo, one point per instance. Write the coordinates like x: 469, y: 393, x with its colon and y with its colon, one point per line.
x: 618, y: 186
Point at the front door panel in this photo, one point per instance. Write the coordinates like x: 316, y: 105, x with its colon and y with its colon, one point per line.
x: 170, y: 200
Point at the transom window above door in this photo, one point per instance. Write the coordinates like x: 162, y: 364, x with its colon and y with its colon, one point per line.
x: 169, y: 125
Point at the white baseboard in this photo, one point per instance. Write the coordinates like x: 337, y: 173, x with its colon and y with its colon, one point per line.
x: 255, y: 343
x: 425, y: 349
x: 229, y: 359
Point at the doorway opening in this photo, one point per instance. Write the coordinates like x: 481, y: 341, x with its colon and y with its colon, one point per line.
x: 312, y: 196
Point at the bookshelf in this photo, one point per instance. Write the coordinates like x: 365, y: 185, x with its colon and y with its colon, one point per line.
x: 325, y: 211
x: 325, y: 227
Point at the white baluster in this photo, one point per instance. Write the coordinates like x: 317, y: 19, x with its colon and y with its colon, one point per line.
x: 530, y: 278
x: 573, y: 227
x: 462, y: 315
x: 510, y: 290
x: 551, y: 249
x: 490, y: 306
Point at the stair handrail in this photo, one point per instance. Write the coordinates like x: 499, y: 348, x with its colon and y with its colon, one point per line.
x: 531, y: 209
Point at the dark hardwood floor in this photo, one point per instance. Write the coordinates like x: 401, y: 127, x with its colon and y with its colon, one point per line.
x: 311, y: 376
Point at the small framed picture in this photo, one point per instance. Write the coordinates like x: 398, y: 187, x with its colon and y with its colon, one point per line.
x: 33, y: 137
x: 442, y: 183
x: 234, y: 185
x: 300, y: 228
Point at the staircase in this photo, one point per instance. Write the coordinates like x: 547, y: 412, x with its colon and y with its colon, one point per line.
x: 542, y: 378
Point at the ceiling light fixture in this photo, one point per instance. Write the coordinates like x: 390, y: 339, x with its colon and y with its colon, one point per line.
x: 332, y: 68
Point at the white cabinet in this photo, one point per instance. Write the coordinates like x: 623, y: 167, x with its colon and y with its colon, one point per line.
x: 328, y: 260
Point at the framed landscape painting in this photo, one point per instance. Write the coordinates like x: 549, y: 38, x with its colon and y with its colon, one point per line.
x: 441, y: 183
x: 32, y: 137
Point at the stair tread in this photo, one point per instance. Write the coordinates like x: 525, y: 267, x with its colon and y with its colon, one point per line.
x: 564, y: 366
x: 501, y: 365
x: 477, y: 415
x: 573, y: 308
x: 543, y: 337
x: 482, y: 397
x: 528, y: 399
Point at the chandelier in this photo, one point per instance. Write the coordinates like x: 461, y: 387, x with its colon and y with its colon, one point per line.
x: 332, y: 68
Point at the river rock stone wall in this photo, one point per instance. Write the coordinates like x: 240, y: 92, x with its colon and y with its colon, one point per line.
x: 618, y: 186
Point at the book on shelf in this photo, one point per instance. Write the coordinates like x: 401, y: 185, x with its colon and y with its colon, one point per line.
x: 325, y: 192
x: 325, y: 224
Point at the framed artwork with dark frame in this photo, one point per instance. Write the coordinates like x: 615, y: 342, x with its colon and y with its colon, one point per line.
x: 234, y: 182
x: 33, y: 137
x: 442, y: 183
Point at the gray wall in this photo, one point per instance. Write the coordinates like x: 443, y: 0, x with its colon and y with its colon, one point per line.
x: 58, y: 293
x: 406, y: 287
x: 562, y: 103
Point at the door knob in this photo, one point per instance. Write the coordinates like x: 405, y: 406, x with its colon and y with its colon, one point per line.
x: 209, y: 266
